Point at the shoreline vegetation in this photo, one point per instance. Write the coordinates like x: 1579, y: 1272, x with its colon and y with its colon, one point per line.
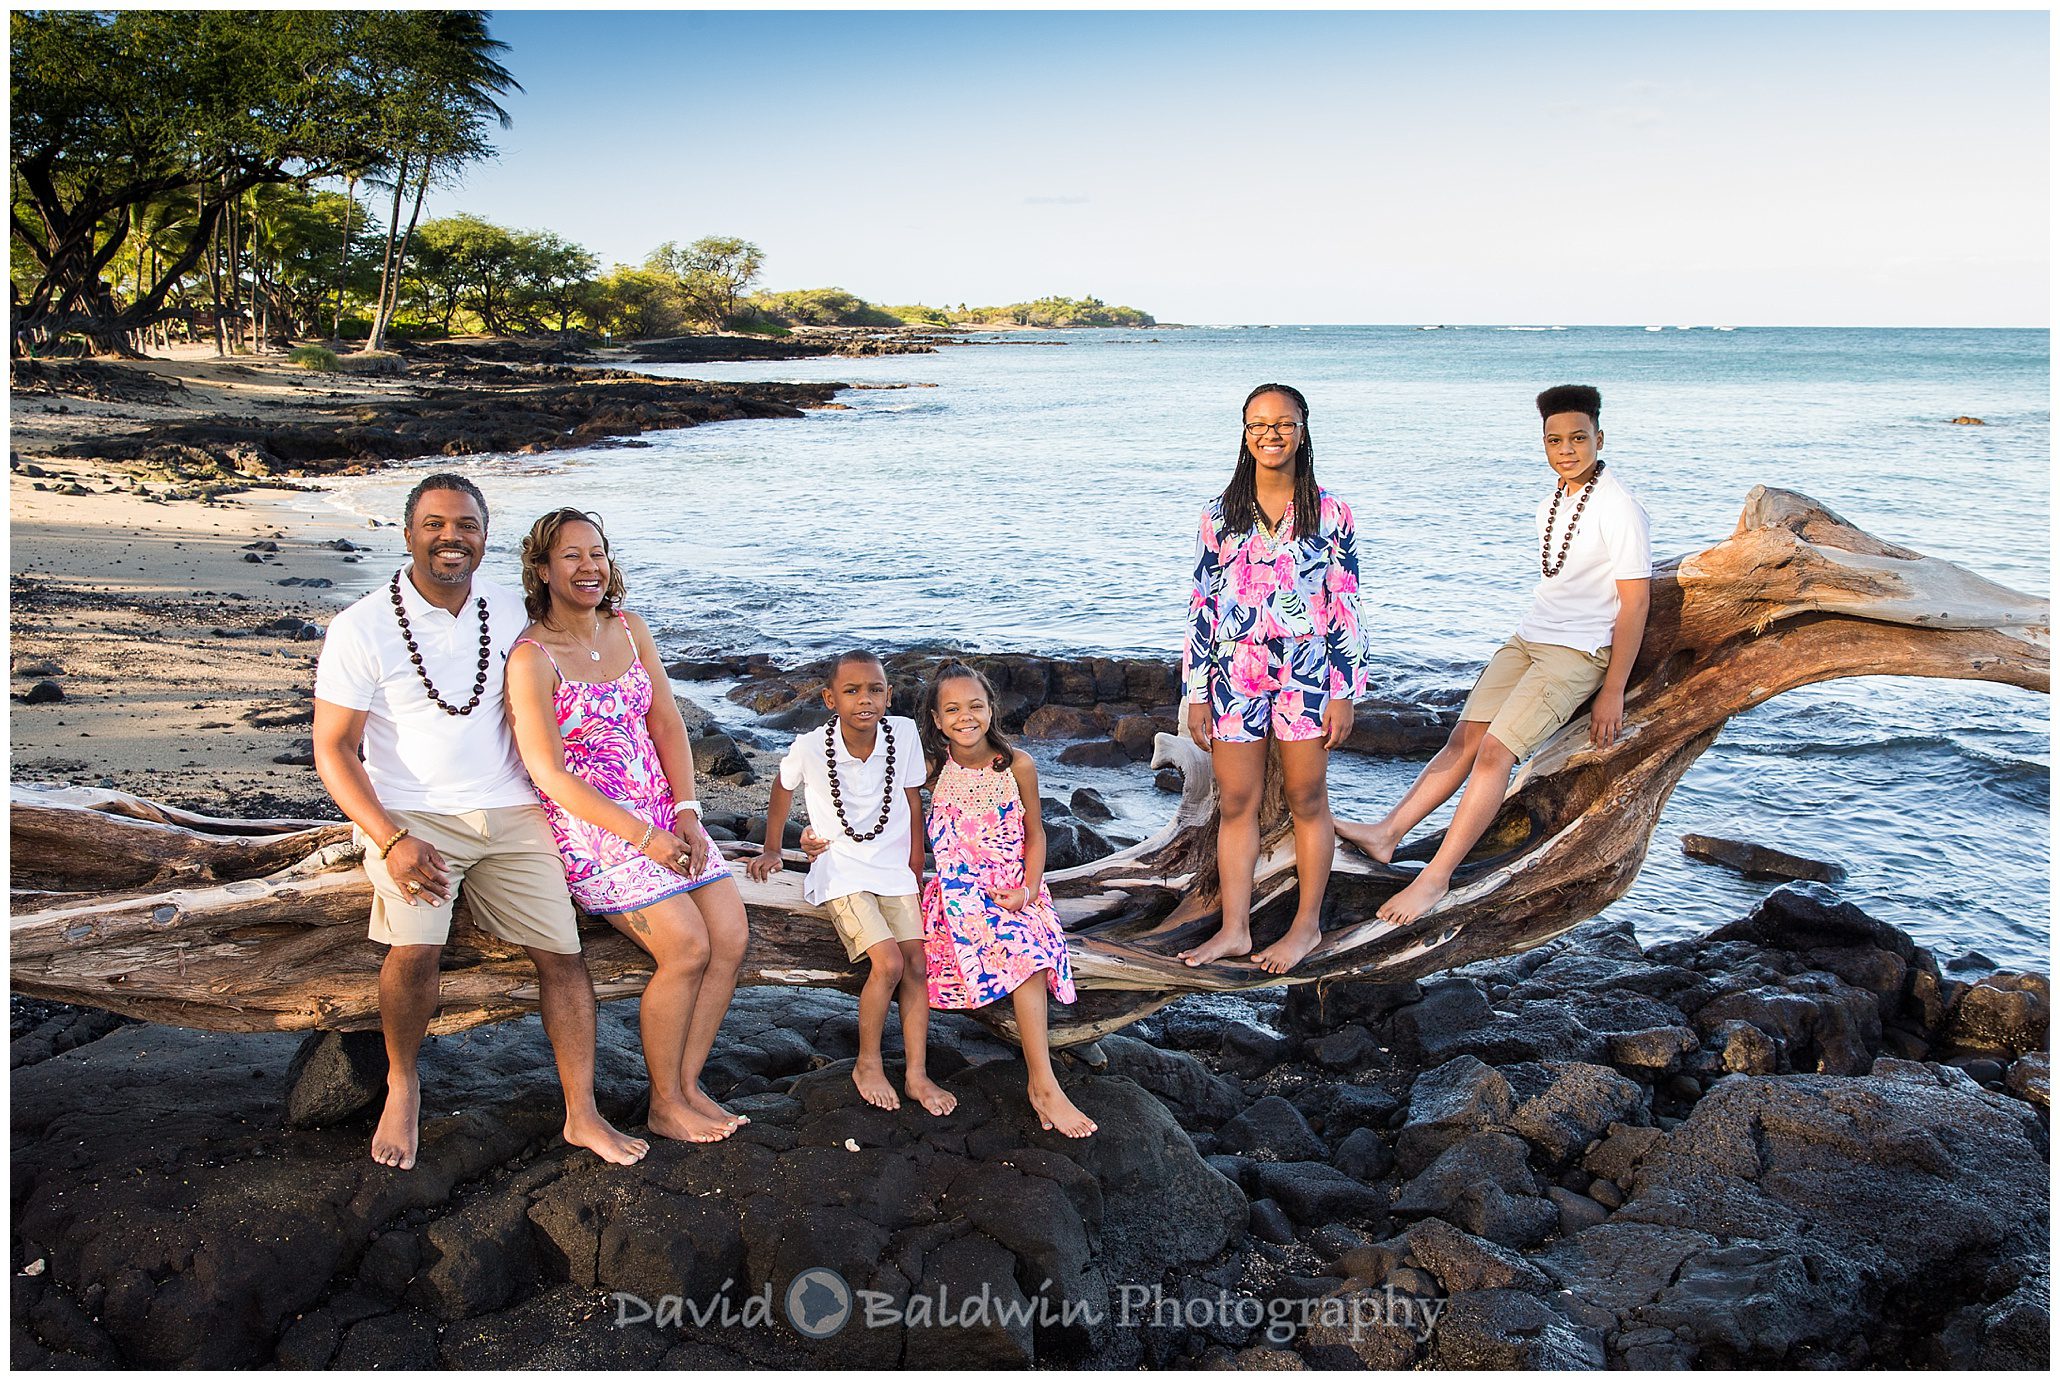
x: 245, y: 222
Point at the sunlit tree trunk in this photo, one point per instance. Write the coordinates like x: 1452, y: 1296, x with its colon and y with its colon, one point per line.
x: 390, y: 296
x: 350, y: 201
x: 214, y: 284
x: 387, y: 269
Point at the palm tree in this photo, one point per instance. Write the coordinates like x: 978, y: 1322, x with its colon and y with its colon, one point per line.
x: 441, y: 110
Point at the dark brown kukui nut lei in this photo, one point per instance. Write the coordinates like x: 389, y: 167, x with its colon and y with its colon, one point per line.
x: 486, y: 647
x: 837, y: 787
x: 1545, y: 563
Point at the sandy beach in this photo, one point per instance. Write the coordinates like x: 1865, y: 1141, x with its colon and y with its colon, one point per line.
x: 183, y: 666
x: 177, y: 627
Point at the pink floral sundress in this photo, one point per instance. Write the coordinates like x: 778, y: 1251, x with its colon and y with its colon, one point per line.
x: 608, y: 746
x: 976, y: 951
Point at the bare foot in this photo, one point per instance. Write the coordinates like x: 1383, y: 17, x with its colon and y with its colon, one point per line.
x: 684, y: 1122
x: 871, y: 1079
x: 700, y: 1102
x: 1224, y: 944
x: 394, y: 1139
x: 1415, y: 899
x: 595, y: 1133
x: 1190, y: 908
x: 1057, y: 1113
x: 1370, y: 840
x: 1290, y: 949
x: 936, y: 1100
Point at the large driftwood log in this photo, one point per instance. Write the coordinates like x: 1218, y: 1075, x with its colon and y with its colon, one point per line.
x: 250, y: 925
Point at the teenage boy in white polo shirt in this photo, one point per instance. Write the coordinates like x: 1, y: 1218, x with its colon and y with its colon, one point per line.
x: 860, y: 775
x: 414, y: 672
x: 1579, y: 639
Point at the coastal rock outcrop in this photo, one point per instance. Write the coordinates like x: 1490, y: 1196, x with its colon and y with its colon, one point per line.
x: 1113, y: 706
x: 532, y: 408
x: 799, y: 344
x: 1549, y: 1160
x: 185, y: 1224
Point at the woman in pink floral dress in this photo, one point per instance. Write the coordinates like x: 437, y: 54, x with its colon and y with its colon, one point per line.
x: 990, y: 930
x: 608, y: 752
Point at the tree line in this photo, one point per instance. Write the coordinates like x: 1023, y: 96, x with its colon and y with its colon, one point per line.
x: 259, y: 176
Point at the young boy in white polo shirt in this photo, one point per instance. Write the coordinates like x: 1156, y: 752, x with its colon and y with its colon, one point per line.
x: 1580, y: 638
x: 860, y: 776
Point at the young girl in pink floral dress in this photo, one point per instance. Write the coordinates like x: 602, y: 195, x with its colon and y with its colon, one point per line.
x: 989, y: 927
x: 608, y: 752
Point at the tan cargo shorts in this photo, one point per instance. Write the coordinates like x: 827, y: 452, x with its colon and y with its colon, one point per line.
x: 513, y: 878
x: 863, y: 919
x: 1530, y: 690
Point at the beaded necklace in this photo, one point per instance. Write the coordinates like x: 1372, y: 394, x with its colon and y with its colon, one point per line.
x: 1545, y: 562
x: 837, y: 787
x: 486, y: 643
x: 1274, y: 537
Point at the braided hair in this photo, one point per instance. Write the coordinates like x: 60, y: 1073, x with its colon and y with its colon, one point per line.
x: 1241, y: 496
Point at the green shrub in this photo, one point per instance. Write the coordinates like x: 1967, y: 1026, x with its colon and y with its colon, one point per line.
x: 822, y: 307
x: 919, y: 315
x: 753, y: 320
x: 319, y: 357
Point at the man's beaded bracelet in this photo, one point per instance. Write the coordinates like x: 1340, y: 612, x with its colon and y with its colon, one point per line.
x: 387, y: 847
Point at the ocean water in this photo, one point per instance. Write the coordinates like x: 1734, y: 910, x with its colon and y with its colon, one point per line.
x: 1040, y: 492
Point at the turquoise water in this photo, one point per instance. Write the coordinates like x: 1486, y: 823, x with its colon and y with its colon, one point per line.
x: 1040, y: 493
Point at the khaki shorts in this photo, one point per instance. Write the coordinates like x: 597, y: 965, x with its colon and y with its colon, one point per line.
x: 864, y: 919
x: 514, y: 880
x: 1531, y: 689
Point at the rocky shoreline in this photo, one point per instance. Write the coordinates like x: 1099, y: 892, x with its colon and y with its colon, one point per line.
x: 1796, y: 1141
x: 800, y: 344
x: 1109, y: 707
x: 458, y: 407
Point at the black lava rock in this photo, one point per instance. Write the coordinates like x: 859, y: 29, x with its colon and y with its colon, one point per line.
x: 1271, y: 1129
x: 335, y: 1075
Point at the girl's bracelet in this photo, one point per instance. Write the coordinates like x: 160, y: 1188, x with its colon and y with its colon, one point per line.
x: 645, y: 842
x: 387, y: 847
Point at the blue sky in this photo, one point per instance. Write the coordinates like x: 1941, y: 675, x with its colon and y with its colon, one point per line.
x: 1714, y: 168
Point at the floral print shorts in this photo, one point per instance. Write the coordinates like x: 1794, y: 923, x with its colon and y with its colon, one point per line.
x: 1277, y: 686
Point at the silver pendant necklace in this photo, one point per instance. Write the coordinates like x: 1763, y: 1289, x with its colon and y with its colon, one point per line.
x: 593, y: 653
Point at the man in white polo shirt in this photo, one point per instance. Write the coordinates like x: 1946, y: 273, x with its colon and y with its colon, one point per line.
x: 1580, y: 638
x: 414, y: 673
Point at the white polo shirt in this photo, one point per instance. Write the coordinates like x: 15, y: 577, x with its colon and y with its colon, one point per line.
x: 1577, y: 608
x: 878, y: 865
x: 418, y: 757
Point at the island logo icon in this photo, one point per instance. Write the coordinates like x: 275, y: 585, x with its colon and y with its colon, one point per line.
x: 818, y: 1303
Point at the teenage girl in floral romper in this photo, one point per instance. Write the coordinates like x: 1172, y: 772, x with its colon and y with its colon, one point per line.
x: 1274, y: 649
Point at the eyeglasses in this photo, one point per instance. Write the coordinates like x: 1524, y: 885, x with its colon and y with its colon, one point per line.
x: 1257, y: 429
